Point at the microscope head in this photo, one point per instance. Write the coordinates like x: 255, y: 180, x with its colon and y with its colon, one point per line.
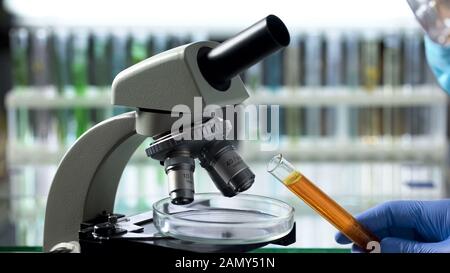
x: 206, y: 70
x: 172, y: 78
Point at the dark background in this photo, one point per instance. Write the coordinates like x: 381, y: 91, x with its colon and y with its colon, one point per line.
x: 5, y: 71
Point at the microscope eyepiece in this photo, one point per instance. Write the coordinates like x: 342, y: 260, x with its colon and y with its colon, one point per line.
x: 221, y: 64
x: 229, y: 172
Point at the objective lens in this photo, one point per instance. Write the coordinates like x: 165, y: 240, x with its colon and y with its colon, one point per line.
x: 226, y: 168
x: 180, y: 171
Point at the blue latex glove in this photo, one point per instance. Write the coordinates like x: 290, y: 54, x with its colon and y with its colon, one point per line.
x: 438, y: 57
x: 408, y: 226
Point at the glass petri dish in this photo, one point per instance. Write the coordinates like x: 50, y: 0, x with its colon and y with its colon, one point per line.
x: 215, y: 219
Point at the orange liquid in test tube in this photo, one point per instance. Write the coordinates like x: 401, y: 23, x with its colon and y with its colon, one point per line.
x: 321, y: 202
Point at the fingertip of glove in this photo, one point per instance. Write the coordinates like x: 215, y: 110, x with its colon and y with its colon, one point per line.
x: 340, y: 238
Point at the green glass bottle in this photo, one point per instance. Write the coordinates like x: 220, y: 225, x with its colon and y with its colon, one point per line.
x: 138, y: 47
x: 100, y: 69
x: 60, y: 77
x: 19, y: 39
x: 79, y: 78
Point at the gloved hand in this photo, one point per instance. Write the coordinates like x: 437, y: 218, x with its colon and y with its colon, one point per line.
x: 408, y: 226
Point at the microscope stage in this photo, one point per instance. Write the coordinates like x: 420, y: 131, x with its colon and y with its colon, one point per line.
x: 209, y: 224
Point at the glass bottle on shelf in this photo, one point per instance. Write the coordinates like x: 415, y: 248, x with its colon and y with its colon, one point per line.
x: 79, y: 75
x: 43, y: 120
x: 313, y: 80
x: 19, y: 123
x: 60, y: 79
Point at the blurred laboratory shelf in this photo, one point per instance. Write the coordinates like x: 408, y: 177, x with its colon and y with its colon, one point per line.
x: 19, y: 154
x: 404, y: 96
x: 49, y: 98
x: 329, y: 150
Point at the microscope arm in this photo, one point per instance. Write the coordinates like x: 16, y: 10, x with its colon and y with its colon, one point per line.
x: 87, y: 178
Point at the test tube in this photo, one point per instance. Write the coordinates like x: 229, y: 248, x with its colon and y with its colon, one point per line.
x: 296, y: 182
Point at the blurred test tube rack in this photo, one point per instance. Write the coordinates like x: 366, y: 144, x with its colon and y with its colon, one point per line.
x: 360, y: 112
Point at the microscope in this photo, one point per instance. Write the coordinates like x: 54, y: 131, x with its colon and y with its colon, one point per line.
x: 81, y: 198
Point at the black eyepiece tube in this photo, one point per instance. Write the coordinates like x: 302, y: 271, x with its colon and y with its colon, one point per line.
x: 221, y: 64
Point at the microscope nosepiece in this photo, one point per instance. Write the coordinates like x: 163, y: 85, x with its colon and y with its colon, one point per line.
x: 180, y: 172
